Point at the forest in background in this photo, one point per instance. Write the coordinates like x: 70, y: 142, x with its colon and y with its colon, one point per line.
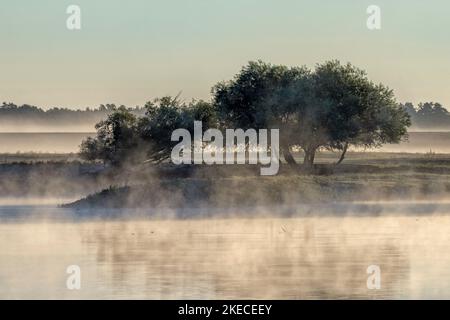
x: 29, y: 118
x: 426, y: 116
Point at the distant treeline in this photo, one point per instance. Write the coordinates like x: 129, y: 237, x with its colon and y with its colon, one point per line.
x: 428, y: 116
x: 425, y: 116
x: 28, y: 117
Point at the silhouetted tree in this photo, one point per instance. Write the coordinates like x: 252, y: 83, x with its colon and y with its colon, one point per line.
x: 264, y: 96
x: 125, y: 137
x: 117, y: 138
x: 167, y: 114
x: 331, y: 107
x: 349, y: 110
x: 428, y: 115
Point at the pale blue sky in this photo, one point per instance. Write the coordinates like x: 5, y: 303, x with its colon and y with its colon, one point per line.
x: 131, y: 51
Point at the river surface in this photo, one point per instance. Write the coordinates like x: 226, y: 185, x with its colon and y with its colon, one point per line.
x: 307, y: 255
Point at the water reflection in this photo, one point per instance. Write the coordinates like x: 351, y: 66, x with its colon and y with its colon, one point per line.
x: 273, y: 258
x: 255, y: 259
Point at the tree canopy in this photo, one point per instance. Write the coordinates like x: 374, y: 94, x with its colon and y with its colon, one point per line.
x: 124, y: 137
x: 117, y: 138
x: 428, y: 116
x: 330, y: 107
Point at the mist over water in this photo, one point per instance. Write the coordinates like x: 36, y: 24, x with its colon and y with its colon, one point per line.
x: 305, y: 256
x: 291, y: 251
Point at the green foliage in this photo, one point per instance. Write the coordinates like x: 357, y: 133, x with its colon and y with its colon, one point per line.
x: 165, y: 115
x: 260, y: 96
x: 265, y: 96
x: 428, y: 115
x: 355, y: 110
x: 117, y: 138
x: 125, y: 137
x: 330, y: 107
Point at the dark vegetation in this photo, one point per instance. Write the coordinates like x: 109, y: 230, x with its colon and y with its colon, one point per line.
x: 320, y: 114
x: 428, y: 116
x: 125, y: 138
x: 14, y: 118
x: 329, y: 108
x: 364, y: 176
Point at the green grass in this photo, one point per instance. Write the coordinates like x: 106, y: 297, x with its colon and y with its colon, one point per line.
x: 363, y: 177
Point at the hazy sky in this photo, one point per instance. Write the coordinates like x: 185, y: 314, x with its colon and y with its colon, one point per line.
x: 128, y: 52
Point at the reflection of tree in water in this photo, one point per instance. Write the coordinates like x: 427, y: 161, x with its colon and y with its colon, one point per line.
x: 244, y: 259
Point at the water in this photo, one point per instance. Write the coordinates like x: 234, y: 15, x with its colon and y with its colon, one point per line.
x: 306, y: 256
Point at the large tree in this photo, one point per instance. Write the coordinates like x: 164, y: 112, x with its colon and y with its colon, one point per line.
x: 330, y: 107
x: 349, y: 109
x: 117, y: 139
x: 263, y: 96
x: 124, y: 137
x: 165, y: 115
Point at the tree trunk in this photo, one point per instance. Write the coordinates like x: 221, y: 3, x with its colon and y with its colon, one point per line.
x: 288, y: 155
x: 344, y: 151
x: 310, y: 154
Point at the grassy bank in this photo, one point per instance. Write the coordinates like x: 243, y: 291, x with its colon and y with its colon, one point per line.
x: 364, y: 176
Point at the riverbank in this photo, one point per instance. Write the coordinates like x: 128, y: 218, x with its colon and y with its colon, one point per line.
x: 364, y: 177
